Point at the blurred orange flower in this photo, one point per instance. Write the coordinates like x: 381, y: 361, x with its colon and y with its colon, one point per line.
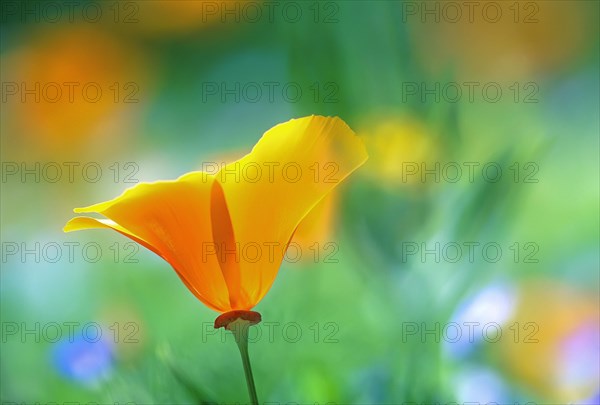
x: 225, y: 234
x: 179, y: 17
x: 501, y: 39
x: 554, y: 347
x: 69, y: 89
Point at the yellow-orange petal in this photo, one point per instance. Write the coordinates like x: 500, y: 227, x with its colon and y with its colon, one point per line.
x: 226, y: 250
x: 171, y: 218
x: 313, y: 236
x: 269, y: 191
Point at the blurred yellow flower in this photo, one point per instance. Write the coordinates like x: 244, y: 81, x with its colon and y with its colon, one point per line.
x: 225, y: 234
x: 399, y: 147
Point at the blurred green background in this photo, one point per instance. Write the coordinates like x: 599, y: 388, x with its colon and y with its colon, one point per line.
x: 463, y: 262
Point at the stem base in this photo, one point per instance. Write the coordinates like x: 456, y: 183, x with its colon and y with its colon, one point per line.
x: 238, y: 323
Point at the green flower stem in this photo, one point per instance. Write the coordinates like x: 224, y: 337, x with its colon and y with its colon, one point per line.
x: 239, y: 328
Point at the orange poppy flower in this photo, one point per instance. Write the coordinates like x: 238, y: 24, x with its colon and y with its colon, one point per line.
x: 225, y: 234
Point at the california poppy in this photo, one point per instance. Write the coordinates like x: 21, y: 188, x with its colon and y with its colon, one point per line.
x: 225, y: 234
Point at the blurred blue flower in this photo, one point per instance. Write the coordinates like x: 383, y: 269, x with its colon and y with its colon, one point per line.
x: 480, y: 385
x: 83, y: 360
x: 593, y: 400
x: 480, y: 317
